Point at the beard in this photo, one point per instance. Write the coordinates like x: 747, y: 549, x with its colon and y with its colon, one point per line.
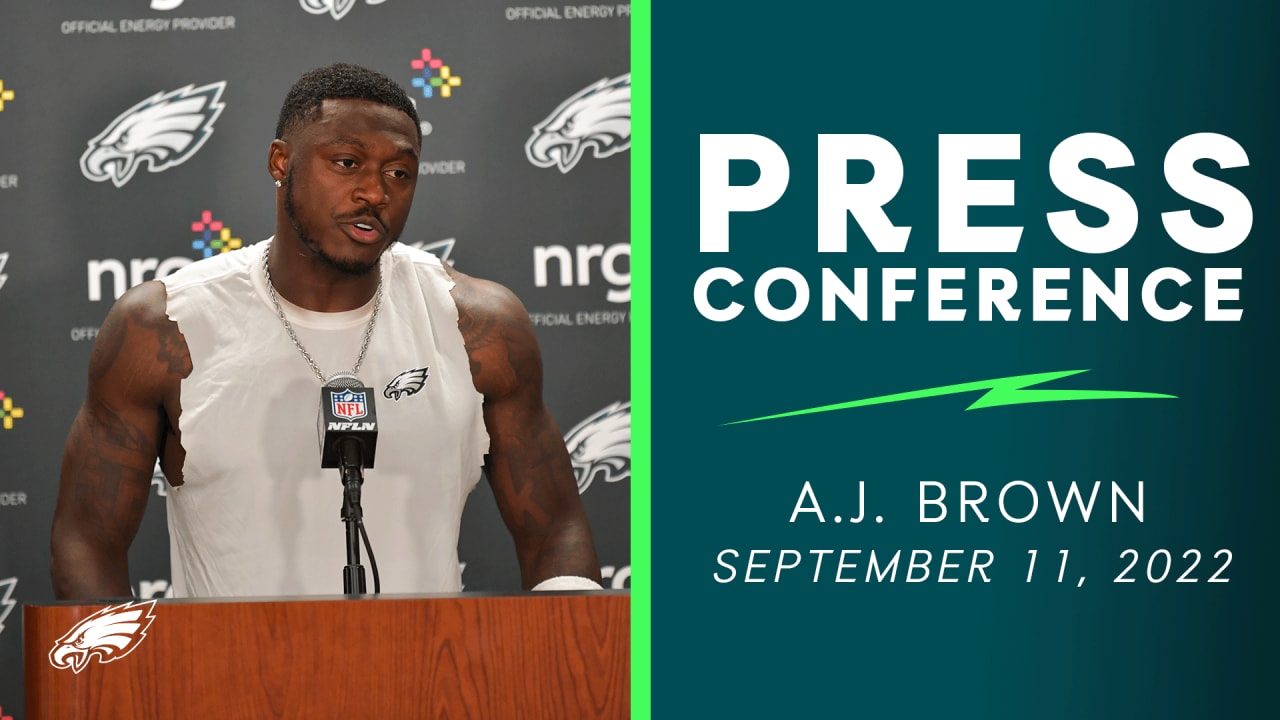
x: 345, y: 266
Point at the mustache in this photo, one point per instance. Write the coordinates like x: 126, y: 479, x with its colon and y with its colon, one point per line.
x: 362, y: 216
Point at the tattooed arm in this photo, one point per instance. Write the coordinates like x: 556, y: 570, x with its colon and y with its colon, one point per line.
x: 134, y: 370
x: 528, y: 466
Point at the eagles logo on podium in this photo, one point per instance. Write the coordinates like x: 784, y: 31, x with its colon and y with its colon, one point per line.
x: 107, y: 635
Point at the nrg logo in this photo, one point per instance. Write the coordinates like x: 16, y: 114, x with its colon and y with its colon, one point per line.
x: 211, y: 237
x: 152, y: 589
x: 574, y: 267
x: 616, y: 578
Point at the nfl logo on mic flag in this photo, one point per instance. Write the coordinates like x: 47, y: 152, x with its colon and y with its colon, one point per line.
x: 350, y: 412
x: 348, y: 405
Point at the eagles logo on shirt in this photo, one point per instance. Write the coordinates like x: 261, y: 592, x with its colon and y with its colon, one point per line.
x: 406, y: 383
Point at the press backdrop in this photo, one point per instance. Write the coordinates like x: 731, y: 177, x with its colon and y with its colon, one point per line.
x: 508, y: 190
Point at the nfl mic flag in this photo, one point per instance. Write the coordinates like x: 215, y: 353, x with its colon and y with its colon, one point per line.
x: 346, y: 412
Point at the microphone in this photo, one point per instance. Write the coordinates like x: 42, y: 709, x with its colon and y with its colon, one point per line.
x: 348, y: 423
x: 348, y: 429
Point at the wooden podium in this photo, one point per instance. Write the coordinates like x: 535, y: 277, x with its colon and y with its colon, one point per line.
x: 532, y: 655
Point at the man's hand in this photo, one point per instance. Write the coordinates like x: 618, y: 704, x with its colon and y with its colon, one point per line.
x: 528, y: 466
x: 138, y: 361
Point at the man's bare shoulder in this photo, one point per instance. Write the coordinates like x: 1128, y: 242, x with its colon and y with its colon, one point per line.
x: 139, y: 343
x: 498, y: 335
x: 484, y: 298
x: 144, y: 302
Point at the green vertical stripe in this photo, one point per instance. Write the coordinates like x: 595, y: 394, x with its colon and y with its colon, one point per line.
x: 640, y: 370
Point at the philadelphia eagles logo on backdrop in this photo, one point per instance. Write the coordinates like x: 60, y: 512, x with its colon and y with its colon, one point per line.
x: 406, y: 383
x: 596, y: 118
x: 440, y: 248
x: 6, y: 598
x: 337, y: 8
x: 162, y: 131
x: 600, y: 446
x: 159, y: 481
x: 108, y: 635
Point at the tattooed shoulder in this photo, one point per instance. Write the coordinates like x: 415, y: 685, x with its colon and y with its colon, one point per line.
x: 475, y: 320
x: 498, y: 335
x: 139, y: 340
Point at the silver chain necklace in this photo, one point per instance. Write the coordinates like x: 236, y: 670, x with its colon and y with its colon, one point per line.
x: 368, y: 331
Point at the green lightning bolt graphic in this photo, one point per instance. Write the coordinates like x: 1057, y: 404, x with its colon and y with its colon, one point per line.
x: 1000, y: 391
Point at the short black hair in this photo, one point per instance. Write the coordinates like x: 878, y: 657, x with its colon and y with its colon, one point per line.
x: 341, y: 80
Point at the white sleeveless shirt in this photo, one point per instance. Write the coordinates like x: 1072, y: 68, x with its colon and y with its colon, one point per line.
x: 255, y: 515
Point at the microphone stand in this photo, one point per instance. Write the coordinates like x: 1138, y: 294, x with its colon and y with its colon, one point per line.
x: 352, y: 478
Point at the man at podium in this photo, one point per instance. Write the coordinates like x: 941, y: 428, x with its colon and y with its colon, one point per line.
x: 214, y: 370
